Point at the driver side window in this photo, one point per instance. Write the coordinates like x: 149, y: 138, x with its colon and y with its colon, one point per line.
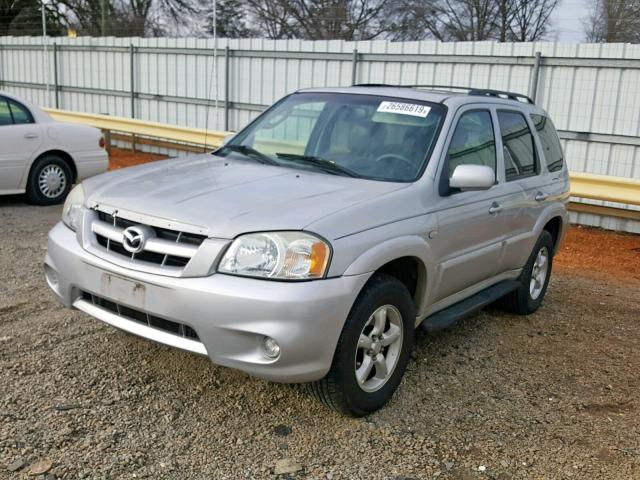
x: 289, y: 132
x: 473, y: 141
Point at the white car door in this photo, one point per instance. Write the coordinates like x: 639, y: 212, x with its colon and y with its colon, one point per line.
x: 20, y: 139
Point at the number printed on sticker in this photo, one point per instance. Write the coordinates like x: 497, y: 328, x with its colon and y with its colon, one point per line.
x: 414, y: 109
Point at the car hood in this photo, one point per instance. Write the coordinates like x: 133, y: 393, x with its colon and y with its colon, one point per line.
x: 226, y: 197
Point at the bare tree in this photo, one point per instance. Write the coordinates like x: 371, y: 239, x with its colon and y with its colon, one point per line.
x: 460, y: 20
x: 320, y: 19
x: 271, y: 18
x: 24, y: 17
x: 530, y: 19
x: 130, y: 17
x: 613, y: 21
x: 231, y: 20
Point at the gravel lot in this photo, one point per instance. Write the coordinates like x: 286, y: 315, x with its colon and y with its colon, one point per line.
x: 553, y: 395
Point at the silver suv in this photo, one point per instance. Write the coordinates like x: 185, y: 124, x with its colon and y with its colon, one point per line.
x: 311, y: 245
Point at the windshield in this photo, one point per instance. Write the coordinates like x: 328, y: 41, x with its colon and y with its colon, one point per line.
x: 365, y: 136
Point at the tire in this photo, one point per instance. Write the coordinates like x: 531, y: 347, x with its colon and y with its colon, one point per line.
x: 527, y: 299
x: 339, y: 389
x: 49, y: 181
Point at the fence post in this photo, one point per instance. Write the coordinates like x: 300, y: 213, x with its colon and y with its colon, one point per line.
x: 55, y: 75
x: 354, y: 66
x: 227, y: 53
x: 533, y: 87
x: 132, y: 79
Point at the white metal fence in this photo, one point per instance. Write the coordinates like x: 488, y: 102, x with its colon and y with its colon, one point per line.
x: 592, y: 91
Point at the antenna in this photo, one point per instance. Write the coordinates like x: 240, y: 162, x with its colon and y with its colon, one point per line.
x: 45, y: 43
x: 213, y: 75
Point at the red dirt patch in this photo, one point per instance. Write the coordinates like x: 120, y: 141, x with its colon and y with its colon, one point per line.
x: 595, y: 252
x: 120, y: 158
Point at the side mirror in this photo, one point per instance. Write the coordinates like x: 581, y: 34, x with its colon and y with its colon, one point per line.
x: 472, y: 177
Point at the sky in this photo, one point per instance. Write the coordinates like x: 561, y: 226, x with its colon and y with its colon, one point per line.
x: 567, y: 21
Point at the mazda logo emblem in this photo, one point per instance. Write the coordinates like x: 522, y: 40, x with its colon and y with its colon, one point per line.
x: 133, y: 239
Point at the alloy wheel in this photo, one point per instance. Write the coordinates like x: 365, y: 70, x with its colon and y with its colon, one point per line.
x: 539, y: 273
x: 379, y: 347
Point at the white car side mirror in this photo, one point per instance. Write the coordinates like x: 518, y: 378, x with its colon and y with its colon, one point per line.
x: 472, y: 177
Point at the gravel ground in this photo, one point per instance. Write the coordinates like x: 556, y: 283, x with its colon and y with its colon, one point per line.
x: 553, y: 395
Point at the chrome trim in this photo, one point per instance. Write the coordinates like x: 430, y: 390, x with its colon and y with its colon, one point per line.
x: 156, y: 245
x: 138, y: 329
x: 149, y: 220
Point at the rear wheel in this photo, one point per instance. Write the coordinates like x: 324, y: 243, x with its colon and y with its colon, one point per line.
x: 49, y: 181
x: 534, y: 279
x: 373, y: 349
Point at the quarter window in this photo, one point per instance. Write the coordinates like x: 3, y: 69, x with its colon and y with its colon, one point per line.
x: 517, y: 141
x: 473, y: 141
x: 550, y: 142
x: 5, y: 113
x: 20, y: 113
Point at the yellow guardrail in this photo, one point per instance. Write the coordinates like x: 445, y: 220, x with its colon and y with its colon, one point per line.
x: 604, y: 187
x: 191, y: 136
x: 583, y: 185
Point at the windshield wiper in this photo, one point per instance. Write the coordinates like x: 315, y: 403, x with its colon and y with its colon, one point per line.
x: 251, y: 153
x: 326, y: 165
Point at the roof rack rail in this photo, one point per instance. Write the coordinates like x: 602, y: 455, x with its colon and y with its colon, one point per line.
x: 482, y: 92
x: 500, y: 94
x: 376, y: 85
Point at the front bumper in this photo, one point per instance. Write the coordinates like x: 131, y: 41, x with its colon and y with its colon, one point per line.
x: 231, y: 315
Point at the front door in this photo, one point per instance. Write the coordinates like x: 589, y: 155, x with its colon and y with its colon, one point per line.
x: 470, y: 235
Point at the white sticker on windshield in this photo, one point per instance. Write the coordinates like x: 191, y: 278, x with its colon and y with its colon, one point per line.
x: 413, y: 109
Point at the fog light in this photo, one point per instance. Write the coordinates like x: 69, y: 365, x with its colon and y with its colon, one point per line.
x: 51, y: 275
x: 271, y: 347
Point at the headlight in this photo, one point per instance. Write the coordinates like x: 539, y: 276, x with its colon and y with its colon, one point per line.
x: 72, y: 210
x: 277, y: 255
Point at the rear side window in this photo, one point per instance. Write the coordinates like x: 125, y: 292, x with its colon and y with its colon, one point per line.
x: 517, y: 141
x: 20, y: 113
x: 473, y: 141
x: 550, y: 142
x: 5, y: 113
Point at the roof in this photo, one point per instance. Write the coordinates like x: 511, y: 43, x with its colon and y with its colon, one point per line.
x: 439, y: 94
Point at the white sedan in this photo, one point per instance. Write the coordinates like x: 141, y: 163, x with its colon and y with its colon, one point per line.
x: 42, y: 157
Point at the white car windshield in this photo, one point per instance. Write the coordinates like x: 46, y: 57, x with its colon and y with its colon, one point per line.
x: 366, y: 136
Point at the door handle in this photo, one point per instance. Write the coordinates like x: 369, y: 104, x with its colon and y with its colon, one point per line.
x: 495, y: 208
x: 541, y: 197
x: 30, y: 136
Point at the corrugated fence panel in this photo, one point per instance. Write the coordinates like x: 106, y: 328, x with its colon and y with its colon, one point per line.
x: 592, y: 91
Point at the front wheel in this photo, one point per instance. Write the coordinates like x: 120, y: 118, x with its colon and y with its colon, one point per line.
x: 373, y: 349
x: 534, y: 279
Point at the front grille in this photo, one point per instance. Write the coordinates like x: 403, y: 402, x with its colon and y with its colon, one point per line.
x: 175, y: 328
x: 166, y: 248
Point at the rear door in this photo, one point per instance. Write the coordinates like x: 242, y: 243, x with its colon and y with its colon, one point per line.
x: 470, y: 235
x: 20, y: 138
x: 524, y: 169
x: 552, y: 157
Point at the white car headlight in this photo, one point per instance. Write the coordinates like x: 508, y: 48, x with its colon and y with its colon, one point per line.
x: 72, y: 210
x: 277, y: 255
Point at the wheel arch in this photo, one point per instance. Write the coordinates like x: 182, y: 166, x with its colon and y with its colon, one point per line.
x: 555, y: 228
x: 408, y: 258
x: 68, y: 159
